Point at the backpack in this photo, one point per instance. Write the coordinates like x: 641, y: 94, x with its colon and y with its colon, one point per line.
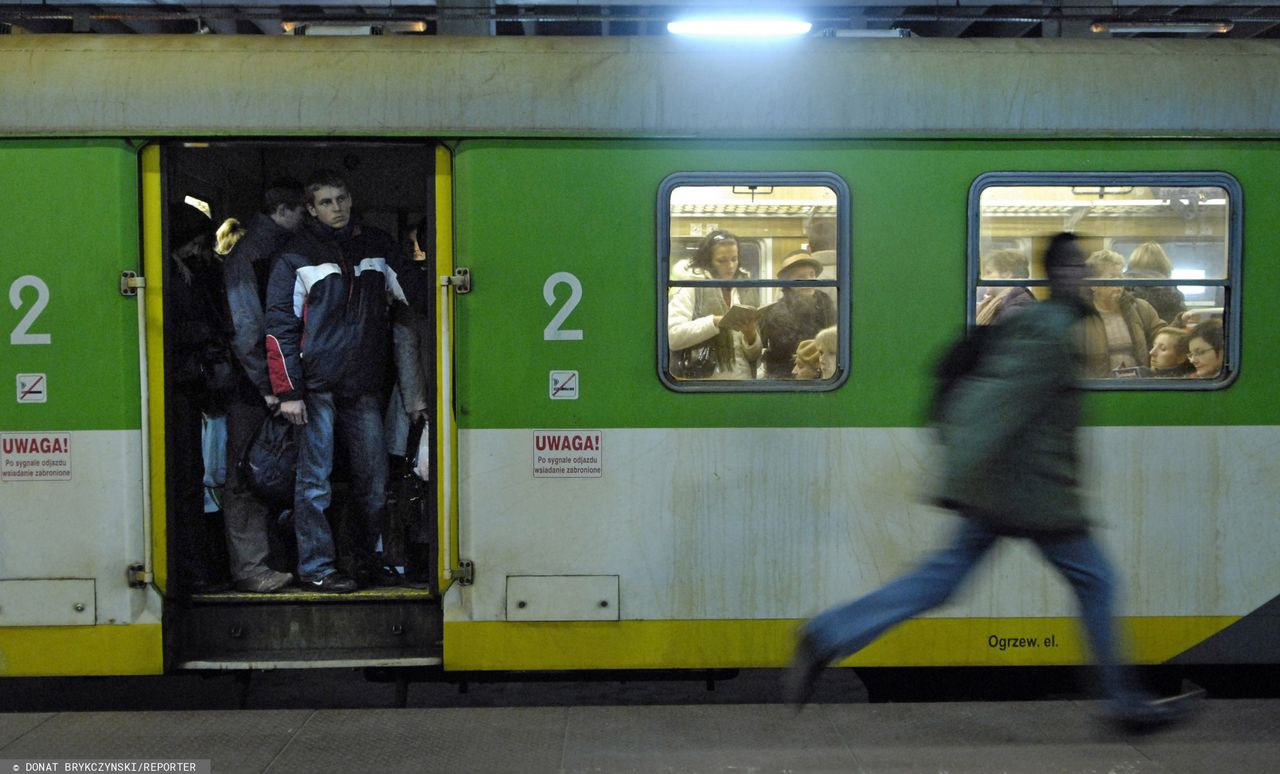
x: 959, y: 361
x: 269, y: 465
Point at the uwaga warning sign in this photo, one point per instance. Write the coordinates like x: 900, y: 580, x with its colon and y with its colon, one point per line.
x: 566, y: 454
x: 35, y: 456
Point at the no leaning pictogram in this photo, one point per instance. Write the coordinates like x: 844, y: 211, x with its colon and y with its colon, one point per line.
x: 32, y: 388
x: 564, y: 385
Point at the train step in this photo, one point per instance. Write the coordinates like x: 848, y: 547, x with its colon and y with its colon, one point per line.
x: 297, y: 629
x: 296, y: 594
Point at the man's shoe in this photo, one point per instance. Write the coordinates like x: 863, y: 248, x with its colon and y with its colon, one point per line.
x: 806, y: 665
x: 264, y: 582
x: 333, y: 583
x: 378, y: 575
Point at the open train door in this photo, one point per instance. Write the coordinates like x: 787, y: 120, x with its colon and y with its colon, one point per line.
x: 74, y: 540
x: 211, y: 622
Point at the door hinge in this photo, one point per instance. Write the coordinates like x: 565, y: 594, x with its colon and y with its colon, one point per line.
x: 460, y: 280
x: 465, y: 574
x: 130, y: 282
x: 138, y: 576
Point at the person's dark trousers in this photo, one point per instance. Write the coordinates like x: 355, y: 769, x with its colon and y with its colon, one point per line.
x: 246, y: 516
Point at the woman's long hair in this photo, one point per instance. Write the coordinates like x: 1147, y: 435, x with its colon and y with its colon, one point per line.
x: 701, y: 261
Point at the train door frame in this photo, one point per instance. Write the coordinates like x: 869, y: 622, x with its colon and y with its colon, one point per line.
x: 217, y: 630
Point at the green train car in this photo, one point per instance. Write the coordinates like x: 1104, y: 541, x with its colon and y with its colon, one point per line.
x: 596, y: 508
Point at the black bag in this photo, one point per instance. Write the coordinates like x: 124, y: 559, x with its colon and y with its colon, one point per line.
x: 960, y: 360
x: 270, y: 463
x: 696, y: 362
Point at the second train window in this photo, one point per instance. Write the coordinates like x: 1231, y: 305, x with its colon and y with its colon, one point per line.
x: 1163, y: 267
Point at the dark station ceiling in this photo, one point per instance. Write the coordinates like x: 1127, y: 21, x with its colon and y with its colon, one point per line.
x: 868, y: 18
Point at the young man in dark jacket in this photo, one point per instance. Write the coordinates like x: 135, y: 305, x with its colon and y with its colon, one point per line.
x: 328, y: 349
x: 1009, y: 473
x: 245, y: 272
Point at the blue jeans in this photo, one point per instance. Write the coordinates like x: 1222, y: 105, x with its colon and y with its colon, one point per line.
x: 359, y: 419
x: 846, y: 629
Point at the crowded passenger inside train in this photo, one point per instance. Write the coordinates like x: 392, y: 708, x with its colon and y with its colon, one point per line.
x: 1160, y: 256
x: 784, y: 329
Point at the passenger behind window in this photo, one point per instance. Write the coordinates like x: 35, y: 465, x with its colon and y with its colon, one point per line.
x: 821, y: 232
x: 1116, y: 335
x: 1169, y: 355
x: 700, y: 347
x: 808, y: 360
x: 827, y: 342
x: 1204, y: 346
x: 1149, y: 261
x: 1000, y: 304
x: 798, y: 315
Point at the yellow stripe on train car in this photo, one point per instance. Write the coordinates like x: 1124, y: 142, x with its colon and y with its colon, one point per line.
x: 81, y: 650
x: 497, y: 645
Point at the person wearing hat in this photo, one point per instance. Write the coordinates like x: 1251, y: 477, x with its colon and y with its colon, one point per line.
x: 798, y: 315
x: 808, y: 360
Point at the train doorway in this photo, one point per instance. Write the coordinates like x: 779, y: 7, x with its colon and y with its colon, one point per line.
x: 228, y: 604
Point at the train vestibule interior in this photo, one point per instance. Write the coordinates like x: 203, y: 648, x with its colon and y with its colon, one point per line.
x: 205, y: 183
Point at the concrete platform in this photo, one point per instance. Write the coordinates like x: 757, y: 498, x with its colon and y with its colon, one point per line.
x: 1236, y: 736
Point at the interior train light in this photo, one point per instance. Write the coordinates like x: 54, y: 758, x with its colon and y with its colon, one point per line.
x: 740, y: 27
x: 1157, y: 27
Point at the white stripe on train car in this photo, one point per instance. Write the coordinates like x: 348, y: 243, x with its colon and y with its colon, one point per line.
x: 768, y: 523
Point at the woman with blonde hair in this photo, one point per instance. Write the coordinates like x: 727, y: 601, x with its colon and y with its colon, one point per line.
x: 1169, y: 353
x: 827, y: 342
x: 1149, y: 261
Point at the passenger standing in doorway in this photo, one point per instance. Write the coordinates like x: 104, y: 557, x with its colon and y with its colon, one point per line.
x: 413, y: 333
x: 246, y: 268
x: 328, y: 350
x: 1010, y: 472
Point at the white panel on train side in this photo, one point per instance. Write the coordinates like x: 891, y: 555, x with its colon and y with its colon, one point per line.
x: 68, y: 602
x: 780, y: 523
x: 81, y: 528
x: 562, y: 598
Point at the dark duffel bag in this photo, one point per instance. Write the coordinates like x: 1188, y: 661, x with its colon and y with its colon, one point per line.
x: 270, y: 463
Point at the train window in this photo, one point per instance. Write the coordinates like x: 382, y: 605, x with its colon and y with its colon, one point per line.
x: 753, y: 275
x: 1164, y: 251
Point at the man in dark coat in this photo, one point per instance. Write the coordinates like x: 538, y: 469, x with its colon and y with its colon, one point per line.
x: 250, y: 255
x: 1010, y: 473
x: 798, y: 315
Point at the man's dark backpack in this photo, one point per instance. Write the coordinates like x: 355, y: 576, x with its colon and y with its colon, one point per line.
x: 270, y: 463
x: 957, y: 362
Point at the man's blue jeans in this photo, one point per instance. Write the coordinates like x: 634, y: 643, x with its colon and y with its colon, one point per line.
x: 359, y: 420
x: 846, y: 629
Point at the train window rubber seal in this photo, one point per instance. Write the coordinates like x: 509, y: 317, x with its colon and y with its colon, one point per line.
x: 841, y: 282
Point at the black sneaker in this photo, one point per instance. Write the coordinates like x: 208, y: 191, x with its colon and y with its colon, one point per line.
x: 377, y: 575
x: 333, y: 583
x: 801, y: 677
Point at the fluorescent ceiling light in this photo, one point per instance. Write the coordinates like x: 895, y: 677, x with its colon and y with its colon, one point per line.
x: 1186, y: 28
x: 740, y: 27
